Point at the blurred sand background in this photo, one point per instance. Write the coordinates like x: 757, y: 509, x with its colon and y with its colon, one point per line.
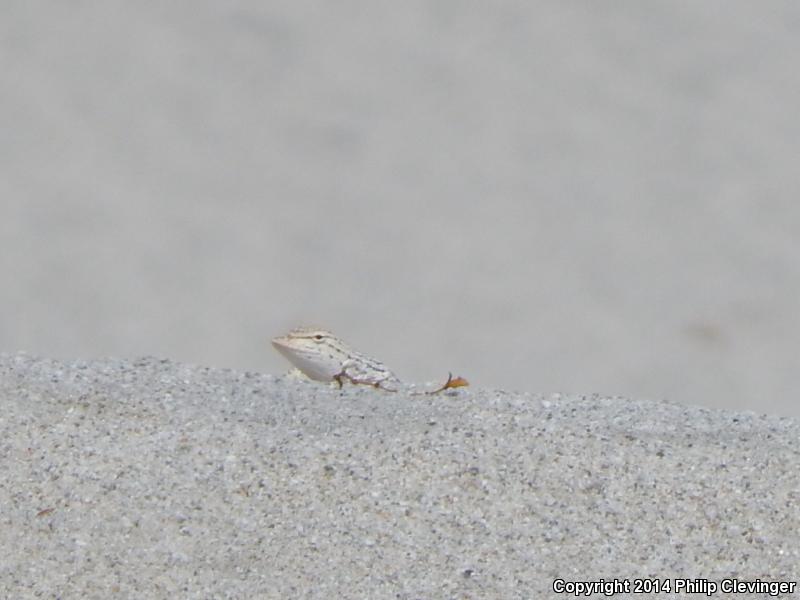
x: 540, y: 196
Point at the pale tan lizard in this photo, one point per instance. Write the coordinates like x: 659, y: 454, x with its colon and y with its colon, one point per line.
x: 321, y: 356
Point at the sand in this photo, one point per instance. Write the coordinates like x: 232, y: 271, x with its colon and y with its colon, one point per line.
x: 154, y: 479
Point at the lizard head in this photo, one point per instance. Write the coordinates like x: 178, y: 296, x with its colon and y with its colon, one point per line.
x: 310, y: 336
x: 316, y: 352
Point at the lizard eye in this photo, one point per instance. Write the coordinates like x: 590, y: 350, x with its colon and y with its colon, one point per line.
x: 318, y: 337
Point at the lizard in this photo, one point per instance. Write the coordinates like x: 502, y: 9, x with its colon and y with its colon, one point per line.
x: 320, y: 355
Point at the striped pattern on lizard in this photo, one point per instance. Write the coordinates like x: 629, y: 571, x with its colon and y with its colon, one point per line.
x: 321, y: 356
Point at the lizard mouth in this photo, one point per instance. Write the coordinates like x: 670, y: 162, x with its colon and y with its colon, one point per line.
x: 282, y: 345
x: 279, y: 342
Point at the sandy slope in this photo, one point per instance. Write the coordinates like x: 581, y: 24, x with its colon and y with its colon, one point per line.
x: 156, y: 479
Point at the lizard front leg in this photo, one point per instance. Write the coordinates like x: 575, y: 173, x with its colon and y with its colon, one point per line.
x: 355, y: 372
